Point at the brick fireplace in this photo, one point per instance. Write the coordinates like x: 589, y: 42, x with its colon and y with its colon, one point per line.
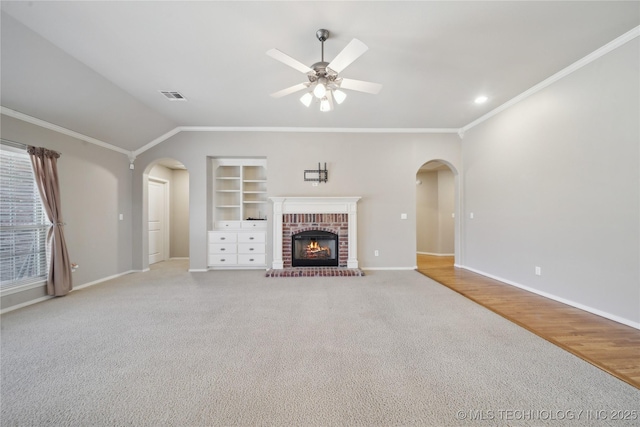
x: 292, y: 215
x: 295, y: 224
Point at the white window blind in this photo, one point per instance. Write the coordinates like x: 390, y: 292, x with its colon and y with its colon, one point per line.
x: 23, y: 222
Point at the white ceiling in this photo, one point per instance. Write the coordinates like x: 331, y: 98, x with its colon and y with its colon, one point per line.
x: 96, y: 67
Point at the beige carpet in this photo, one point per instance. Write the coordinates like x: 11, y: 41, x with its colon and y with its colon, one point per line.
x: 170, y: 348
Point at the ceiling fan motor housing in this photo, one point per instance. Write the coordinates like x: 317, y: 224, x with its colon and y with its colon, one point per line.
x: 320, y: 70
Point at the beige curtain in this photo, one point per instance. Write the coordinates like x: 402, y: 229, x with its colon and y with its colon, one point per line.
x: 45, y: 170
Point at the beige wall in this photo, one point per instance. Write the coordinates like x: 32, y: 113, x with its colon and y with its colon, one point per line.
x: 95, y: 187
x: 427, y: 226
x: 553, y: 182
x: 180, y: 214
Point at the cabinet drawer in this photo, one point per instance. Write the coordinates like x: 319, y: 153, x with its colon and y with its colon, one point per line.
x: 251, y: 237
x: 261, y: 225
x: 250, y: 248
x: 222, y: 237
x: 215, y: 248
x: 251, y: 259
x: 222, y: 225
x: 223, y: 259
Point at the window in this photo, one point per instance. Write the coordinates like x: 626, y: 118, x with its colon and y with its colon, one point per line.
x: 23, y: 222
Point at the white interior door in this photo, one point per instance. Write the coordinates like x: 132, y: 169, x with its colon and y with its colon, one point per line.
x: 157, y: 221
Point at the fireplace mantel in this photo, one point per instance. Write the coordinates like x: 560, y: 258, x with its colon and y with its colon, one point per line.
x: 314, y: 205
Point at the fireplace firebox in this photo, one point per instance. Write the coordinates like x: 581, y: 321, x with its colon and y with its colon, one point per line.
x: 315, y: 248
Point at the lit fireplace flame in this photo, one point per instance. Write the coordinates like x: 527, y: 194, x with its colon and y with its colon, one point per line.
x: 315, y: 250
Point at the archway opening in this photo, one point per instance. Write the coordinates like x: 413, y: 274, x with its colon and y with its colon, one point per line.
x: 435, y: 214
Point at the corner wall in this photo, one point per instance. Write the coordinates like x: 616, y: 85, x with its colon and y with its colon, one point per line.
x: 553, y: 182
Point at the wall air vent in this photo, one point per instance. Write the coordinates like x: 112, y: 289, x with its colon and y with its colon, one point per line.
x: 173, y: 96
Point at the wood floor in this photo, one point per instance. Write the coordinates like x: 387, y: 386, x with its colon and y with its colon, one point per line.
x: 609, y: 345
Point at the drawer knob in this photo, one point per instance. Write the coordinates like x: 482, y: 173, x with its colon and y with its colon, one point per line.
x: 222, y: 260
x: 223, y: 238
x: 250, y: 249
x: 251, y: 259
x: 251, y: 238
x: 223, y: 249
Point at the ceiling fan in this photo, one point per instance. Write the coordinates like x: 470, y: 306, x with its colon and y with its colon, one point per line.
x: 325, y: 83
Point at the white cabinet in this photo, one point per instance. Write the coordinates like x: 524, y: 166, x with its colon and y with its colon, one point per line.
x: 238, y: 249
x: 239, y: 210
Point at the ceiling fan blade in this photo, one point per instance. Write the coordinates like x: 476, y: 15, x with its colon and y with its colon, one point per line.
x: 360, y: 86
x: 350, y: 53
x: 290, y: 90
x: 286, y: 59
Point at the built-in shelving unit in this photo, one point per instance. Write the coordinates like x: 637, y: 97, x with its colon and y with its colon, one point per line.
x: 240, y: 203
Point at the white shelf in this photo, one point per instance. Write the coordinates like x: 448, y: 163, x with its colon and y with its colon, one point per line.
x: 239, y: 190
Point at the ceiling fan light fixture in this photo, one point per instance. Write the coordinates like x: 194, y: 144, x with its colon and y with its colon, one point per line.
x: 339, y: 96
x: 320, y: 90
x: 325, y: 105
x: 306, y: 99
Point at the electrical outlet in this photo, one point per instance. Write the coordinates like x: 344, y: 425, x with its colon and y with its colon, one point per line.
x: 538, y: 271
x: 376, y: 252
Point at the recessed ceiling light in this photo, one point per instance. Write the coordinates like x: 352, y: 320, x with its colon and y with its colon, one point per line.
x: 481, y: 99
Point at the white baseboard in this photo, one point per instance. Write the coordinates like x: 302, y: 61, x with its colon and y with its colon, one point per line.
x: 627, y: 322
x: 433, y: 254
x: 198, y: 270
x: 95, y: 282
x: 26, y: 304
x: 387, y: 268
x: 75, y: 288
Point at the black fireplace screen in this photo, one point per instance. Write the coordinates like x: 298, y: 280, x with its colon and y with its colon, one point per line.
x: 314, y: 249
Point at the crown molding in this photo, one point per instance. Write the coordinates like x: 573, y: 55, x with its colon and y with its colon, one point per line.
x: 628, y: 36
x: 42, y: 123
x: 616, y: 43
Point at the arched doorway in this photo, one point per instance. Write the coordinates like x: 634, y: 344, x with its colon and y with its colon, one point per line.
x: 167, y: 216
x: 435, y: 213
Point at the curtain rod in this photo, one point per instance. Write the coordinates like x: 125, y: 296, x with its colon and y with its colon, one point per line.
x: 18, y: 145
x: 13, y: 144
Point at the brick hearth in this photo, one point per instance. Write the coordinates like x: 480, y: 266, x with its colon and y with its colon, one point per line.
x: 315, y: 272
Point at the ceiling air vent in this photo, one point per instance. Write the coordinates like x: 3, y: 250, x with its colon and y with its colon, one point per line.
x: 173, y: 96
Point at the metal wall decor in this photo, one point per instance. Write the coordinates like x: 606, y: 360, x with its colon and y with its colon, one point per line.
x: 319, y: 175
